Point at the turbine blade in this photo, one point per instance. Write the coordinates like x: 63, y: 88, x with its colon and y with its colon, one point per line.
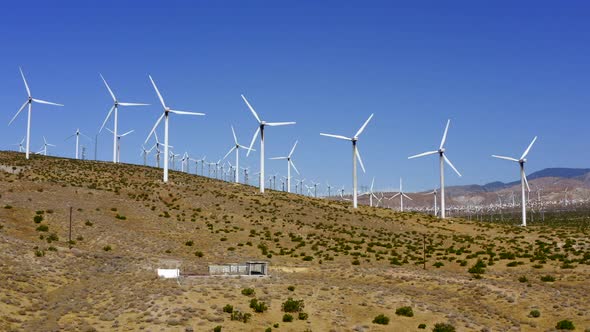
x: 245, y: 147
x: 278, y: 158
x: 127, y: 133
x: 110, y: 131
x: 295, y: 168
x: 364, y: 126
x: 423, y: 154
x: 17, y: 112
x: 506, y: 158
x: 251, y: 109
x: 293, y: 149
x: 154, y: 128
x: 253, y: 139
x: 108, y: 88
x: 105, y: 119
x: 67, y: 138
x: 45, y: 102
x: 228, y: 152
x: 358, y: 155
x: 24, y: 80
x: 451, y: 164
x: 157, y: 91
x: 529, y: 148
x: 408, y: 197
x: 185, y: 113
x: 133, y: 104
x: 526, y: 181
x: 234, y: 133
x: 444, y: 138
x: 274, y: 124
x: 337, y: 136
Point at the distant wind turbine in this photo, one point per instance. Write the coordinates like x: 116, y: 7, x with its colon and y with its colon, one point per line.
x: 355, y: 155
x: 523, y: 181
x: 77, y: 134
x: 289, y: 164
x: 236, y: 147
x: 442, y: 156
x: 401, y: 195
x: 29, y: 101
x: 261, y: 125
x: 115, y: 107
x: 44, y: 148
x: 119, y: 143
x: 164, y: 115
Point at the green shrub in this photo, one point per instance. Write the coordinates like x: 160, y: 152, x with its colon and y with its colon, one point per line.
x: 268, y: 329
x: 512, y: 264
x: 547, y: 278
x: 443, y: 327
x: 189, y: 243
x: 287, y: 318
x: 38, y: 219
x: 199, y: 253
x: 565, y: 325
x: 291, y: 288
x: 39, y: 253
x: 381, y: 319
x: 240, y: 316
x: 308, y: 258
x: 228, y: 308
x: 523, y: 279
x: 422, y: 326
x: 52, y: 237
x: 42, y: 228
x: 120, y: 217
x: 248, y: 291
x: 217, y: 328
x: 478, y: 268
x: 356, y: 262
x: 303, y: 316
x: 535, y: 313
x: 88, y: 223
x: 107, y: 248
x: 8, y: 206
x: 292, y: 305
x: 404, y: 311
x: 258, y: 306
x: 438, y: 264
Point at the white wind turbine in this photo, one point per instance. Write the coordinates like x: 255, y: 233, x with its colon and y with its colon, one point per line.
x: 20, y: 145
x: 77, y: 134
x: 118, y: 146
x: 355, y: 155
x: 167, y: 110
x: 289, y: 164
x: 261, y: 125
x: 44, y: 148
x: 145, y: 152
x: 236, y: 147
x: 435, y: 202
x: 401, y: 195
x: 523, y: 181
x: 115, y: 107
x: 29, y: 101
x: 442, y: 156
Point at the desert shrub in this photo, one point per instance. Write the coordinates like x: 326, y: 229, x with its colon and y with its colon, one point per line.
x: 199, y: 253
x: 422, y: 326
x: 120, y: 217
x: 39, y: 253
x: 38, y: 219
x: 52, y: 237
x: 189, y: 243
x: 303, y: 316
x: 258, y: 306
x: 565, y: 325
x: 478, y: 268
x: 52, y: 248
x: 240, y: 316
x: 228, y: 308
x: 356, y: 262
x: 287, y: 318
x: 438, y: 264
x: 248, y: 291
x: 547, y: 278
x: 308, y: 258
x: 512, y: 264
x: 535, y: 313
x: 8, y: 206
x: 291, y: 288
x: 523, y: 279
x: 381, y: 319
x: 217, y: 328
x: 268, y: 329
x: 404, y: 311
x: 88, y: 223
x: 42, y: 228
x: 292, y: 305
x: 107, y: 248
x: 443, y: 327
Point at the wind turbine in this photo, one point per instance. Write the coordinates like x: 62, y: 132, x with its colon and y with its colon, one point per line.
x: 435, y: 206
x: 77, y: 134
x: 442, y: 156
x: 401, y: 195
x: 355, y: 155
x: 29, y: 101
x: 115, y: 107
x: 118, y: 146
x: 236, y: 147
x: 20, y: 145
x: 261, y: 125
x: 167, y: 110
x: 144, y: 152
x: 289, y: 164
x: 44, y: 148
x: 523, y: 180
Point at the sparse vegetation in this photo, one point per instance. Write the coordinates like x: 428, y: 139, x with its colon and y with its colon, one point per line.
x: 404, y: 311
x: 381, y: 319
x: 565, y: 325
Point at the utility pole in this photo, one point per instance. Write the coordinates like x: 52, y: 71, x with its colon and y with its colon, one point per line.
x: 424, y: 250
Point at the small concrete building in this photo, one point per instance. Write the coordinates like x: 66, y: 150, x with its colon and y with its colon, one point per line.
x: 250, y: 268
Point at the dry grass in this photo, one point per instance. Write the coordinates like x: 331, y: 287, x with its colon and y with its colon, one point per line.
x: 347, y: 266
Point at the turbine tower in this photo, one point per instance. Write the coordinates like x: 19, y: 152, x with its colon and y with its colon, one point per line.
x: 77, y: 134
x: 45, y: 145
x: 167, y: 110
x: 118, y: 147
x: 355, y: 155
x: 236, y: 147
x: 401, y: 195
x: 523, y: 180
x: 261, y: 125
x: 289, y: 164
x: 442, y: 159
x: 115, y: 107
x: 29, y: 101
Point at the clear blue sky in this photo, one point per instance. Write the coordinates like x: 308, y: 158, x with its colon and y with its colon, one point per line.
x: 503, y: 71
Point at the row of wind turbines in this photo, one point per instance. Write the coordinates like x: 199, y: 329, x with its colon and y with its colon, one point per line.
x: 260, y: 131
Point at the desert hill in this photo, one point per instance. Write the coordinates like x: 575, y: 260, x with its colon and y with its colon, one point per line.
x: 347, y: 266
